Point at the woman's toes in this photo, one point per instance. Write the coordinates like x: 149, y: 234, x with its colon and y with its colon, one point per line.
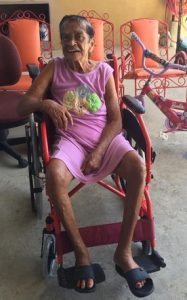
x: 83, y: 284
x: 90, y: 283
x: 140, y: 284
x: 78, y: 284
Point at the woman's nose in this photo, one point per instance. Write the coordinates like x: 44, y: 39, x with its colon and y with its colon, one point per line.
x: 72, y: 42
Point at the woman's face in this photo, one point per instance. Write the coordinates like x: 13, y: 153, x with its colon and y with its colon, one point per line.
x: 76, y: 43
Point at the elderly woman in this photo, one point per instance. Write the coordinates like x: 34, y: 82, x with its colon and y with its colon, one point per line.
x: 89, y: 144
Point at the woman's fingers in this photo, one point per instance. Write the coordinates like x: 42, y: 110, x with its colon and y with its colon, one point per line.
x: 85, y: 167
x: 65, y: 121
x: 69, y: 116
x: 66, y: 118
x: 57, y: 119
x: 87, y: 170
x: 61, y: 118
x: 88, y: 166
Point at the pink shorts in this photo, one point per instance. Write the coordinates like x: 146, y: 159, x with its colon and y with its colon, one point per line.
x: 73, y: 155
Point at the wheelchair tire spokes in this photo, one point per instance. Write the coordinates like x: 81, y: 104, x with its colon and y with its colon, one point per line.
x: 35, y: 169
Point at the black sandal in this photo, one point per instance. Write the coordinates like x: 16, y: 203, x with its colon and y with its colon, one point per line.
x: 84, y: 273
x: 133, y: 276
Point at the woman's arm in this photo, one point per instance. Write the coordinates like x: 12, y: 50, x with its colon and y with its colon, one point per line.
x: 112, y: 128
x: 33, y: 100
x: 114, y: 122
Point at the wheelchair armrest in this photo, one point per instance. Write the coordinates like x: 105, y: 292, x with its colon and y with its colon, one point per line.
x: 134, y: 104
x: 33, y: 70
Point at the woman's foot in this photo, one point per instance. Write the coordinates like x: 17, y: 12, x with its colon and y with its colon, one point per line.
x: 126, y: 263
x: 83, y: 259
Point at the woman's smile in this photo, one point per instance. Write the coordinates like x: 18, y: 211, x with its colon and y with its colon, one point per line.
x: 72, y: 50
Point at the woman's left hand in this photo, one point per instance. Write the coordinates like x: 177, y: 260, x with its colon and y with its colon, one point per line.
x: 91, y: 163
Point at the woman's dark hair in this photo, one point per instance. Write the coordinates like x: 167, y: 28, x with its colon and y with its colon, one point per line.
x: 81, y: 20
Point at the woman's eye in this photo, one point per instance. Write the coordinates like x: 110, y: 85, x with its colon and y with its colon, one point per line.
x: 77, y: 37
x: 65, y: 38
x: 80, y: 37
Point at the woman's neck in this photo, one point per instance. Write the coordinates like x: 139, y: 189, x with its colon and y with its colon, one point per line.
x: 81, y: 67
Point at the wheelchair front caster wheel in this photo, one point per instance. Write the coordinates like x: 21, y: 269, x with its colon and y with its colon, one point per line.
x: 159, y: 260
x: 48, y: 257
x: 23, y: 163
x: 146, y: 247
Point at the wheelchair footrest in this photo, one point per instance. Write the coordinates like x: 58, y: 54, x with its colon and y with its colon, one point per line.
x: 151, y: 263
x: 66, y: 277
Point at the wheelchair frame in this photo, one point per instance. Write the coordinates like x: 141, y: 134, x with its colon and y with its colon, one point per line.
x: 55, y: 242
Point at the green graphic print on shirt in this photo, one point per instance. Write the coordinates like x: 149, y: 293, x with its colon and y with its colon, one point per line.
x: 82, y: 100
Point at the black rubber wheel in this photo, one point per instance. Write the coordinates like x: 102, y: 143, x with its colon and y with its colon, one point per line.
x: 136, y: 146
x: 48, y: 256
x: 146, y: 247
x: 35, y: 169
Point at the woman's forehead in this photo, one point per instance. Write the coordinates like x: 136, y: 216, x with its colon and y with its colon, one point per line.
x: 74, y: 26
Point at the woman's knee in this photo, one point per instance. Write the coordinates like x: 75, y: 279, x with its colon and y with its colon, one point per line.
x: 132, y: 166
x: 138, y: 167
x: 57, y: 174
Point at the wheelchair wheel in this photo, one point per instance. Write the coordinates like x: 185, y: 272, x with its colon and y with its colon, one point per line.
x: 48, y: 256
x: 146, y: 247
x: 35, y: 168
x: 136, y: 146
x: 134, y: 134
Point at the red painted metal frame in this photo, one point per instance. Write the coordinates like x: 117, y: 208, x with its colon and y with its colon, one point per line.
x: 174, y: 110
x: 46, y: 46
x: 108, y: 27
x: 127, y: 62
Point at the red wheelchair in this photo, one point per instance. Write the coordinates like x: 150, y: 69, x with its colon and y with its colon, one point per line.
x: 55, y: 242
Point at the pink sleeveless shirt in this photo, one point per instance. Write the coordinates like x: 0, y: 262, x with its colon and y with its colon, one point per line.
x: 83, y: 95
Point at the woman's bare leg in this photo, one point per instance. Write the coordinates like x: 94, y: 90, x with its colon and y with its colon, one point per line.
x: 132, y: 169
x: 58, y: 179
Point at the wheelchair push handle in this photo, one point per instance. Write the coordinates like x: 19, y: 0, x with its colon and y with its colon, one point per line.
x: 148, y: 54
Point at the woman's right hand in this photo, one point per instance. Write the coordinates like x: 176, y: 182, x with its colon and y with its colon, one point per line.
x: 58, y: 114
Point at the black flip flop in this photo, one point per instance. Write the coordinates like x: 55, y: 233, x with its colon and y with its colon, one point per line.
x: 84, y: 273
x: 133, y: 276
x: 69, y: 277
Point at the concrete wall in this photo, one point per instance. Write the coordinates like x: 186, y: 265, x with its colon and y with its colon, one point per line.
x: 119, y: 11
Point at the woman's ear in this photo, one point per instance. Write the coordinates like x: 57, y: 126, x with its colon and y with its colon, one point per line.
x: 92, y: 44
